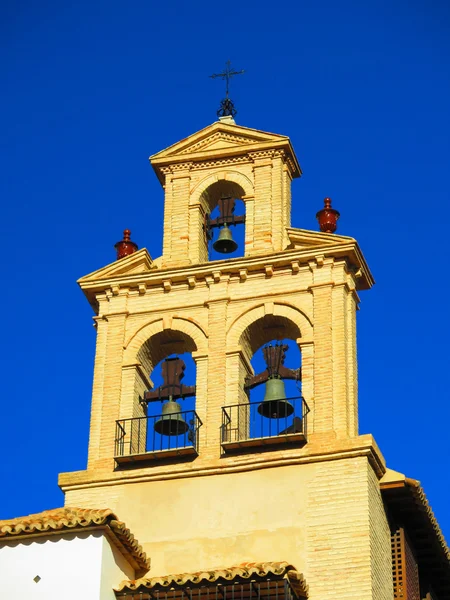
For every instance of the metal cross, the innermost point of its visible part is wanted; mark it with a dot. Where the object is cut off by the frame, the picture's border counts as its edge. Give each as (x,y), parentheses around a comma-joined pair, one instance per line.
(227,75)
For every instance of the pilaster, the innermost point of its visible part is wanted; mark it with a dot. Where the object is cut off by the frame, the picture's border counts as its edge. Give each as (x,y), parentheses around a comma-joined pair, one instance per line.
(217,308)
(352,363)
(176,220)
(201,399)
(323,348)
(307,354)
(339,358)
(112,384)
(278,224)
(97,391)
(262,225)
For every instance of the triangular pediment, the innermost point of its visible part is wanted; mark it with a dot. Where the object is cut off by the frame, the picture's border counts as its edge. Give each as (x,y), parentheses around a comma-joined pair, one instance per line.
(139,262)
(221,135)
(303,239)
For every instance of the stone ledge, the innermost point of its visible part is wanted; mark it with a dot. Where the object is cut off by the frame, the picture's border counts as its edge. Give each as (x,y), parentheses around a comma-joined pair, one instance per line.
(325,450)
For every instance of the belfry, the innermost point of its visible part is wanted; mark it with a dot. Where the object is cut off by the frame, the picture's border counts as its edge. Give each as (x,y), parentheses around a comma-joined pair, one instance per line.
(224,421)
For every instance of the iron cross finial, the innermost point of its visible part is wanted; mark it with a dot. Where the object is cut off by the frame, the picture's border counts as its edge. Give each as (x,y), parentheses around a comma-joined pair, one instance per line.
(226,105)
(227,75)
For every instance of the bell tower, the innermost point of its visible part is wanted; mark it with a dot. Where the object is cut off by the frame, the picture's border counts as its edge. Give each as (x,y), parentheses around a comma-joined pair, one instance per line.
(204,471)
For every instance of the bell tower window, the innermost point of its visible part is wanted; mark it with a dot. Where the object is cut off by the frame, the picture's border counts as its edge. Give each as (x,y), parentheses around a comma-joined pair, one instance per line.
(168,425)
(226,239)
(273,411)
(224,220)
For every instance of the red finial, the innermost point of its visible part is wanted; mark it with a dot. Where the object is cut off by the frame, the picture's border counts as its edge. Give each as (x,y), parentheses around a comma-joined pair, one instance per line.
(328,217)
(125,247)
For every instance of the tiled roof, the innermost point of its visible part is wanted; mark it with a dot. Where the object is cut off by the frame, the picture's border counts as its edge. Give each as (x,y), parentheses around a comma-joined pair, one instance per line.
(245,570)
(59,520)
(422,502)
(409,506)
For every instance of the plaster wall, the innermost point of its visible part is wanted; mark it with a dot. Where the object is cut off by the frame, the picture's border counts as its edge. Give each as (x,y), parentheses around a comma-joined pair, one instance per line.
(70,566)
(115,569)
(325,518)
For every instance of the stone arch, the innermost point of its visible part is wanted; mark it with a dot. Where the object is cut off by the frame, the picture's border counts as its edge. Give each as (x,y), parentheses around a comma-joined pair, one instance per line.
(192,334)
(146,347)
(204,197)
(239,185)
(282,319)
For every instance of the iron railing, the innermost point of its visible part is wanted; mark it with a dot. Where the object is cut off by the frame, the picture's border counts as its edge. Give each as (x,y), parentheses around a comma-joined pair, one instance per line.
(244,426)
(272,589)
(138,439)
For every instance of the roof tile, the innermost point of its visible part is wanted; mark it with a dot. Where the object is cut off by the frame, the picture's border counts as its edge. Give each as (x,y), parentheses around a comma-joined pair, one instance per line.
(245,570)
(69,518)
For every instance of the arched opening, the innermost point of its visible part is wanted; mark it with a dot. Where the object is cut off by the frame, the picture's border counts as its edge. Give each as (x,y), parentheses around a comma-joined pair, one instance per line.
(164,422)
(170,404)
(225,219)
(163,344)
(275,397)
(272,411)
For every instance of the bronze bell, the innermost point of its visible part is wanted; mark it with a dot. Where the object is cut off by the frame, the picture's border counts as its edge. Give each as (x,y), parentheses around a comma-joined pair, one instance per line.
(225,243)
(171,421)
(275,405)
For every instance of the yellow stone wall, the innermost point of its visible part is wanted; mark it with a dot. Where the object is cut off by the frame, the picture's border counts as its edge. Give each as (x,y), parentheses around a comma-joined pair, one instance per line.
(315,306)
(191,193)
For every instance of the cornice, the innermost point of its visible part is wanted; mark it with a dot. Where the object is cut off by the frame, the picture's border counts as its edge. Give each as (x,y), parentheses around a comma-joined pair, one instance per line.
(294,260)
(249,152)
(230,265)
(361,446)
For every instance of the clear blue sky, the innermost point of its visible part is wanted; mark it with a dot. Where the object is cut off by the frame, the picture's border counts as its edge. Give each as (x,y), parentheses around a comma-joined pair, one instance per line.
(91,89)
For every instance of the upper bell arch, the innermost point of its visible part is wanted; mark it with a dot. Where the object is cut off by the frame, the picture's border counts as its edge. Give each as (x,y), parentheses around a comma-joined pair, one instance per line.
(205,198)
(233,183)
(260,164)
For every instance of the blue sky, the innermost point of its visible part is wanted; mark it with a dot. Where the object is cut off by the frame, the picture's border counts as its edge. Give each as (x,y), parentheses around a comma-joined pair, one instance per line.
(91,89)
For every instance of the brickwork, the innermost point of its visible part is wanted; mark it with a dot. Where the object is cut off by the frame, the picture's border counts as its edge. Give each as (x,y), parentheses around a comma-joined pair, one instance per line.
(380,551)
(260,171)
(347,534)
(217,317)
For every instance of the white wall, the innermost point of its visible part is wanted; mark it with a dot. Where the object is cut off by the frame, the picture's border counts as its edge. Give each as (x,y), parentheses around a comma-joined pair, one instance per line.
(115,569)
(71,566)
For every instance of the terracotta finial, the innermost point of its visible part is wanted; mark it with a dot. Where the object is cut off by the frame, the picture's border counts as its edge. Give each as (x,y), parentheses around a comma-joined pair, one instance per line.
(125,247)
(328,217)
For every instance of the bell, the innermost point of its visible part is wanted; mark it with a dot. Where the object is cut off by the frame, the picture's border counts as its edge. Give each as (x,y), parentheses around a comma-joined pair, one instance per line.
(275,405)
(225,243)
(171,421)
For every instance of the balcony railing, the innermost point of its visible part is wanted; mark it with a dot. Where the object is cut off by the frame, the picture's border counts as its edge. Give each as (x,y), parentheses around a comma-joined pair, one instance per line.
(243,426)
(139,440)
